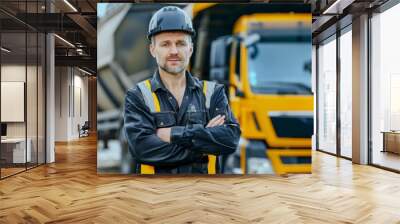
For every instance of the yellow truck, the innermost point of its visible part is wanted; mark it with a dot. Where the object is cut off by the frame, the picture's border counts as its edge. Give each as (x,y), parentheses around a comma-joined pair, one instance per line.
(265,62)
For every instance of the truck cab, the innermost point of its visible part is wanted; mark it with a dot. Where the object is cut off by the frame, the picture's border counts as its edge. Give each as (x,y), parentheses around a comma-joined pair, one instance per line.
(266,66)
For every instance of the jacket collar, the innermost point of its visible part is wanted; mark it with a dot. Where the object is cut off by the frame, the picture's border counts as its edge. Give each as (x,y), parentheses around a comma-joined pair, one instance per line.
(156,82)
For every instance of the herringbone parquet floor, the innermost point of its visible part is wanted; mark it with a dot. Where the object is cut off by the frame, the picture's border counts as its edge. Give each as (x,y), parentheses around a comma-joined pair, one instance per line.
(70,191)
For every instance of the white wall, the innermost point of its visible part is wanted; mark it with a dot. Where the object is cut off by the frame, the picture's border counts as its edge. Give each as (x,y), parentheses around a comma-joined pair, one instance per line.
(71,93)
(61,103)
(13,73)
(12,101)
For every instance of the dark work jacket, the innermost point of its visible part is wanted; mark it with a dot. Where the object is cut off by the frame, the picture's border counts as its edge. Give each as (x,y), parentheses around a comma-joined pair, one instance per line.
(190,139)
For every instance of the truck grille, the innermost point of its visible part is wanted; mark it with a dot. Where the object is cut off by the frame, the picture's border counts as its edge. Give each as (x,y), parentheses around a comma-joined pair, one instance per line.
(292,124)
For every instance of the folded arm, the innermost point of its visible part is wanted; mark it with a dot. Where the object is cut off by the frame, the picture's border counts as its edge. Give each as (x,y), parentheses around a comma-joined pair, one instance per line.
(144,144)
(212,139)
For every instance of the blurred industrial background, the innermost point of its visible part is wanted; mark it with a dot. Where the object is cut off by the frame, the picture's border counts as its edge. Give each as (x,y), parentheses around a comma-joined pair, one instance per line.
(261,52)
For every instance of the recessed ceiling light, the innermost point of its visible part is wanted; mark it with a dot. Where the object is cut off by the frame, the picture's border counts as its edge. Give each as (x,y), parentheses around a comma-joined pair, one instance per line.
(337,7)
(65,41)
(84,71)
(70,5)
(5,50)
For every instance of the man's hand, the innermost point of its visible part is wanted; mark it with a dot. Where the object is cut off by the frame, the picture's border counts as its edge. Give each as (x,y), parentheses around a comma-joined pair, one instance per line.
(164,134)
(216,121)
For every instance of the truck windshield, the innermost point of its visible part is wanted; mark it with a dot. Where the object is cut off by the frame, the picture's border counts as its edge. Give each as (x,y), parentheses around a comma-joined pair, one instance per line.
(280,66)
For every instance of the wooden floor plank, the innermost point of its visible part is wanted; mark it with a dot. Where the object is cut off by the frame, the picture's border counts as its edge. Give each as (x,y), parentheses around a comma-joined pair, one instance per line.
(70,191)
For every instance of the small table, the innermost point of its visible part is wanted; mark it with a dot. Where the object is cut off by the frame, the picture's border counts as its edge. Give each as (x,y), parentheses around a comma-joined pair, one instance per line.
(391,141)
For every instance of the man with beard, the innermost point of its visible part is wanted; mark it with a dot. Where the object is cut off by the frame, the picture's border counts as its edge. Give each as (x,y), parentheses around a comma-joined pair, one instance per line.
(175,123)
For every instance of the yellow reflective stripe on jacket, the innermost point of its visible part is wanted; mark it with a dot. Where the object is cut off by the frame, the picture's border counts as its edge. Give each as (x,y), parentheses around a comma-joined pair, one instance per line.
(155,98)
(148,169)
(212,163)
(212,160)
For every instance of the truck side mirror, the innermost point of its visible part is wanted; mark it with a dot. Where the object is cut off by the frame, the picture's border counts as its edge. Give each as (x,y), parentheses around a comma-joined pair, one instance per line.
(219,59)
(239,93)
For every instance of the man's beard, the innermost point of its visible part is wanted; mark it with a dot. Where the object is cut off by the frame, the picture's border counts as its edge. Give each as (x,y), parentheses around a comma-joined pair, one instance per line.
(173,71)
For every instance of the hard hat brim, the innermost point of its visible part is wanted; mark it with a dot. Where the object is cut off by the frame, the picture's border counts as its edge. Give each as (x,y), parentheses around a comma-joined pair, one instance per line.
(191,33)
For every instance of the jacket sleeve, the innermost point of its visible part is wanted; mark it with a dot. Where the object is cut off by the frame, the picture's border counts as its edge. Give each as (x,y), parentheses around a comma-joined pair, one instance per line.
(140,130)
(217,140)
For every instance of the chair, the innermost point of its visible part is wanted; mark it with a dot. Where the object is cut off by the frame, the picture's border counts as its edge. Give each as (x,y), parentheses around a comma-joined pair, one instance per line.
(84,130)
